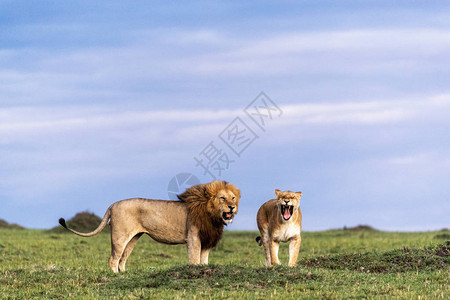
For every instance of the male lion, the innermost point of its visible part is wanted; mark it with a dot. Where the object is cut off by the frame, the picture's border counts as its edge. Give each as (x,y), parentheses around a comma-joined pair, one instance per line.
(280,220)
(196,220)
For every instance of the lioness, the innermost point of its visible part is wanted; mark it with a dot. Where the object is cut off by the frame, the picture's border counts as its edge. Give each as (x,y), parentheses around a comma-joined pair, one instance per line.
(196,220)
(280,220)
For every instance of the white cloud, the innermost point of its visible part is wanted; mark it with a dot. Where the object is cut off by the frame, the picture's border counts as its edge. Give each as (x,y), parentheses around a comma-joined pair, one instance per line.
(360,113)
(19,124)
(351,51)
(26,124)
(174,53)
(411,160)
(370,112)
(427,163)
(170,64)
(384,42)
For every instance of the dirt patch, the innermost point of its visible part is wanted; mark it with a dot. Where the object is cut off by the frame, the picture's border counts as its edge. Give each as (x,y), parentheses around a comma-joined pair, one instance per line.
(443,250)
(162,255)
(442,236)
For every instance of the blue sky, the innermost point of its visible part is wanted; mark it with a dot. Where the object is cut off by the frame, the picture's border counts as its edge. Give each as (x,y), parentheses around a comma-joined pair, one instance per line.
(110,100)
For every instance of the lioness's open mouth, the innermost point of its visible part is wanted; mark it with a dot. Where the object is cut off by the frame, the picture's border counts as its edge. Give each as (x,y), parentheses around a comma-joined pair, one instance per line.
(287,211)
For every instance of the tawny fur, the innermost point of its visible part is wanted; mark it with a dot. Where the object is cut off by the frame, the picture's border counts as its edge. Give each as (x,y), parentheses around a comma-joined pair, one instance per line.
(275,229)
(196,220)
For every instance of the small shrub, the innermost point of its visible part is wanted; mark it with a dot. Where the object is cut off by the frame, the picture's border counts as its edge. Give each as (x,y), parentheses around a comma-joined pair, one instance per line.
(83,222)
(4,224)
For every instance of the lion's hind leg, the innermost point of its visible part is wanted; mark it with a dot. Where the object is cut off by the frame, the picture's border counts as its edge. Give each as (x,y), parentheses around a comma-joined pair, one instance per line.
(118,245)
(128,249)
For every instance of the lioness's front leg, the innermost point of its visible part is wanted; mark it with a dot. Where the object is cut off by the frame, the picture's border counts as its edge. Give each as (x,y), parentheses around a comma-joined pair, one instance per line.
(274,246)
(294,248)
(194,245)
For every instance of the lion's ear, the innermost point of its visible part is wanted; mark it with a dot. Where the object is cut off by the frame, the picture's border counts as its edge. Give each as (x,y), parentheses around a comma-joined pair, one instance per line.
(235,191)
(238,193)
(277,192)
(299,194)
(212,188)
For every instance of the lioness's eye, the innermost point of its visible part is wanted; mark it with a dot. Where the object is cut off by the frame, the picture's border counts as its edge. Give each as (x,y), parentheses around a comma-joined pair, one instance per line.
(223,198)
(233,198)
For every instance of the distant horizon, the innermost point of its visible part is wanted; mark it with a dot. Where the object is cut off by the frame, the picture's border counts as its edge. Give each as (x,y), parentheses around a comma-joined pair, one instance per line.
(256,229)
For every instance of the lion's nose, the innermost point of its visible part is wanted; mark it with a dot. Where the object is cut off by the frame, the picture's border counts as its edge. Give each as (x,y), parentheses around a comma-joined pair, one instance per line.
(286,201)
(231,207)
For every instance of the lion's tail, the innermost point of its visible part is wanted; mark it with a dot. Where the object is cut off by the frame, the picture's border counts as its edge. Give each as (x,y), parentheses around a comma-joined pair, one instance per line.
(96,231)
(259,240)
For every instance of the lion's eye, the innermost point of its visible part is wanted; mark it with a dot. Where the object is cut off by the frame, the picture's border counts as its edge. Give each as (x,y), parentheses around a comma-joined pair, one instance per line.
(233,198)
(223,198)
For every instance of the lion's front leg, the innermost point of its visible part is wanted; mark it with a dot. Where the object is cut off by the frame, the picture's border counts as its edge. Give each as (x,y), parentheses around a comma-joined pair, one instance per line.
(204,256)
(194,246)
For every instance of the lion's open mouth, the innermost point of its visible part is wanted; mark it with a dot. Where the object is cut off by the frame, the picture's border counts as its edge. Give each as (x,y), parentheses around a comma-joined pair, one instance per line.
(227,217)
(287,211)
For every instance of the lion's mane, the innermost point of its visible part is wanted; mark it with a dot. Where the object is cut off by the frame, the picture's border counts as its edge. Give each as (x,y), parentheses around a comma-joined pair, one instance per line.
(202,211)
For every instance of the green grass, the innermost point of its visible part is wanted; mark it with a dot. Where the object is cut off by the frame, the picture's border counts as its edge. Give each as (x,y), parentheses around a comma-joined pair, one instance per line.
(332,264)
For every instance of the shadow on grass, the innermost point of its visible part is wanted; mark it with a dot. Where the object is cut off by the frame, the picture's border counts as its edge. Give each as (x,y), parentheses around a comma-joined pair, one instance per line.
(215,276)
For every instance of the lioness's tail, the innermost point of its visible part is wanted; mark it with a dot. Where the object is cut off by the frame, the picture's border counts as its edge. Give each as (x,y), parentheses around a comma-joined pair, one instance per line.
(96,231)
(259,240)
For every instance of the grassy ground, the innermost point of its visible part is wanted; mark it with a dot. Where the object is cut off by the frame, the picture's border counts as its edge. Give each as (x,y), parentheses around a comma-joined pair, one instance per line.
(332,264)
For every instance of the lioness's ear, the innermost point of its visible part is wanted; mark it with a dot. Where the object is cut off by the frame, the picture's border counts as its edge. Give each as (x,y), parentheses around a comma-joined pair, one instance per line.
(277,192)
(299,194)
